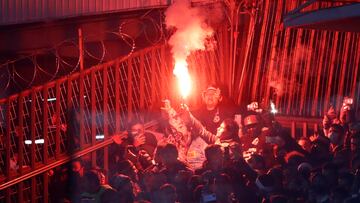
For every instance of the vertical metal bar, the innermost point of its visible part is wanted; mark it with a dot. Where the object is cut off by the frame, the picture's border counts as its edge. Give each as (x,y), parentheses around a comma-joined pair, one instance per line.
(142,81)
(8,147)
(45,123)
(33,128)
(221,51)
(332,66)
(287,71)
(153,74)
(70,107)
(357,60)
(260,51)
(343,70)
(20,144)
(227,54)
(233,35)
(212,71)
(293,129)
(81,49)
(21,133)
(93,116)
(162,72)
(305,128)
(269,38)
(349,70)
(325,71)
(316,127)
(106,118)
(81,88)
(117,97)
(69,94)
(301,73)
(308,64)
(294,68)
(273,53)
(323,40)
(57,113)
(129,88)
(168,64)
(247,56)
(82,113)
(283,58)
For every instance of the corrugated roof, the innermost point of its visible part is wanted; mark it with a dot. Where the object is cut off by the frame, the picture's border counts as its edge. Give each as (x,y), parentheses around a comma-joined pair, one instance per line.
(25,11)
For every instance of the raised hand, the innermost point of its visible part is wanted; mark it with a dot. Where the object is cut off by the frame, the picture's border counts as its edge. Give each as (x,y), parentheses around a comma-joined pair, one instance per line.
(119,138)
(139,140)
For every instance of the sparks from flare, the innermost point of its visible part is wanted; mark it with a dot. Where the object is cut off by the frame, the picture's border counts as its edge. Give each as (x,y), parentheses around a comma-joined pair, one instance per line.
(273,109)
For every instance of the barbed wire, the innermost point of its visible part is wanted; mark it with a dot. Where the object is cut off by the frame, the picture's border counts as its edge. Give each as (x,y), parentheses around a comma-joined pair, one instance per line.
(15,76)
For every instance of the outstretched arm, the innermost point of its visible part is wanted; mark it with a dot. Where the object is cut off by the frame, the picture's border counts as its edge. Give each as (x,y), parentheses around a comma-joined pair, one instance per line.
(200,130)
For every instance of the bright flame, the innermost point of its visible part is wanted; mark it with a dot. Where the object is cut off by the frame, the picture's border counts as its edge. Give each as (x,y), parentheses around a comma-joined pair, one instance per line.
(191,34)
(273,109)
(184,81)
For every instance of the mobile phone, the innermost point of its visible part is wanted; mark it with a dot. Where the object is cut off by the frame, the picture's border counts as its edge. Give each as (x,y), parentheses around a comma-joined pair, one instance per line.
(348,101)
(208,197)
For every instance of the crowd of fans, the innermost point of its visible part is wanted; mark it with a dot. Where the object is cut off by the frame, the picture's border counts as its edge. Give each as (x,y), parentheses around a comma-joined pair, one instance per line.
(221,153)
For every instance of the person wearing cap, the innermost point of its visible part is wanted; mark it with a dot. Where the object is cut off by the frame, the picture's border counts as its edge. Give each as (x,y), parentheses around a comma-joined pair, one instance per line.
(251,140)
(216,108)
(261,139)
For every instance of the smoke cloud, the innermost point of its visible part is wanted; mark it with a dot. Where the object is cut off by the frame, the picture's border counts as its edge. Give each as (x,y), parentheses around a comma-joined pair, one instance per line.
(191,29)
(295,58)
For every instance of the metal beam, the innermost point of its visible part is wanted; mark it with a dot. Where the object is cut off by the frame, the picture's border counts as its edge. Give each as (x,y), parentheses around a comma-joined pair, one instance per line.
(343,18)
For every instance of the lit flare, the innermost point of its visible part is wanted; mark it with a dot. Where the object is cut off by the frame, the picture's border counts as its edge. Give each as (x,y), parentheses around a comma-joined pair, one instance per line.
(183,77)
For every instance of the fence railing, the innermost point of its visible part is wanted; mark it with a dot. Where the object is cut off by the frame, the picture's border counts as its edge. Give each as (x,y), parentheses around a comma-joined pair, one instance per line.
(73,115)
(300,126)
(43,125)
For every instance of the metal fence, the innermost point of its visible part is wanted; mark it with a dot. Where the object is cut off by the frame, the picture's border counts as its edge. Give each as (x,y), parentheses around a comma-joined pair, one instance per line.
(302,70)
(92,105)
(99,100)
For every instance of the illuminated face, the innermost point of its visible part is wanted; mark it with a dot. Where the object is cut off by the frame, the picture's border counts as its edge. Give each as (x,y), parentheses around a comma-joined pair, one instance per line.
(102,179)
(178,124)
(137,129)
(220,130)
(211,98)
(305,145)
(76,166)
(253,130)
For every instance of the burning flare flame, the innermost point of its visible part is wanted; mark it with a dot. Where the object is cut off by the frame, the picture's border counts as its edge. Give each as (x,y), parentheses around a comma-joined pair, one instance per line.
(191,33)
(184,81)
